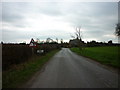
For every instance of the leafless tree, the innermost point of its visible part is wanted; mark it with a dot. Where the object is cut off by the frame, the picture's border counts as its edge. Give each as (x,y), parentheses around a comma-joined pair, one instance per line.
(61,41)
(77,33)
(78,37)
(57,40)
(117,32)
(37,40)
(48,40)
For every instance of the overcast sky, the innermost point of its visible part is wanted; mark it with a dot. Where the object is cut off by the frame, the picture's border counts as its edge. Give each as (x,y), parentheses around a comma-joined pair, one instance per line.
(22,21)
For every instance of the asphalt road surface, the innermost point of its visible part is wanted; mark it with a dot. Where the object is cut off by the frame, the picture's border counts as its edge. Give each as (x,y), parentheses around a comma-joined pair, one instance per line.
(68,70)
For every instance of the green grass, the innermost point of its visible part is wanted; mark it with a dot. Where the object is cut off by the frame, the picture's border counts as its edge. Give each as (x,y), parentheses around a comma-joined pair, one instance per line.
(107,55)
(17,76)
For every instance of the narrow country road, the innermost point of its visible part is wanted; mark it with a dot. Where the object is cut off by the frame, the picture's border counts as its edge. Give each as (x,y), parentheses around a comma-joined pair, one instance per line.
(68,70)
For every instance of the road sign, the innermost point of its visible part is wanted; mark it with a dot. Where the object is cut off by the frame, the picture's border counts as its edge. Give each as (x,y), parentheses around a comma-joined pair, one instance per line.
(32,43)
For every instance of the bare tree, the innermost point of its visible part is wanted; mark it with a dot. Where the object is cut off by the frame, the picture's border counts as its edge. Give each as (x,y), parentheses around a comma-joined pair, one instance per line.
(57,40)
(117,32)
(37,40)
(78,37)
(72,36)
(77,33)
(61,41)
(48,40)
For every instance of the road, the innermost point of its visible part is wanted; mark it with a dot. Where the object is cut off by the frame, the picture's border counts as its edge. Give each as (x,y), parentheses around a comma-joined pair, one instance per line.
(68,70)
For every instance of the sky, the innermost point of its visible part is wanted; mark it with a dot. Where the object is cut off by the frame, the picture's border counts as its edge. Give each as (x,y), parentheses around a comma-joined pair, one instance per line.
(22,21)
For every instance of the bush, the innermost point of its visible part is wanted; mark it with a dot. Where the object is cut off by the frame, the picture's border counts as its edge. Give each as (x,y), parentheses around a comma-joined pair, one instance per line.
(14,54)
(17,53)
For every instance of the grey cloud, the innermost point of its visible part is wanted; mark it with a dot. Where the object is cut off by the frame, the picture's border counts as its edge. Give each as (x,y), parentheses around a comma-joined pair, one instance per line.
(97,19)
(53,34)
(10,17)
(52,9)
(11,12)
(14,35)
(98,34)
(8,35)
(16,13)
(93,14)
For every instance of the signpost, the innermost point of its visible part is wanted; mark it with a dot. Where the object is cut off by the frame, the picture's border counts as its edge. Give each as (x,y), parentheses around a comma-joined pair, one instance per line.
(33,45)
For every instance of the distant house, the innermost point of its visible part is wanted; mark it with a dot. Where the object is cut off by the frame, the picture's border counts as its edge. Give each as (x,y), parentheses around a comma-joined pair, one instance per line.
(75,42)
(110,42)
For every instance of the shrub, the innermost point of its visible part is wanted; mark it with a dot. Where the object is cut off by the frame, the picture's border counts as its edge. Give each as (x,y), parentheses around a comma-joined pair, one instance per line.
(17,53)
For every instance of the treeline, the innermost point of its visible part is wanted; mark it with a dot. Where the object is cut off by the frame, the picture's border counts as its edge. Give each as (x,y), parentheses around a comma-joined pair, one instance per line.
(94,43)
(77,43)
(17,53)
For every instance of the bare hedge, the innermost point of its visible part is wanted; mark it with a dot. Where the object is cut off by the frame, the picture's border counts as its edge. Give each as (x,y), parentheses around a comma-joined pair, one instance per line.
(16,53)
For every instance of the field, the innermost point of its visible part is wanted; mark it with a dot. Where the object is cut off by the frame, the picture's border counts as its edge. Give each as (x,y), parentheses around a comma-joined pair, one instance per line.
(107,55)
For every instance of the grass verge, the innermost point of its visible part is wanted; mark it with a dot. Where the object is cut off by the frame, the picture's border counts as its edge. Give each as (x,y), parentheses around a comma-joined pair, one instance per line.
(107,55)
(22,72)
